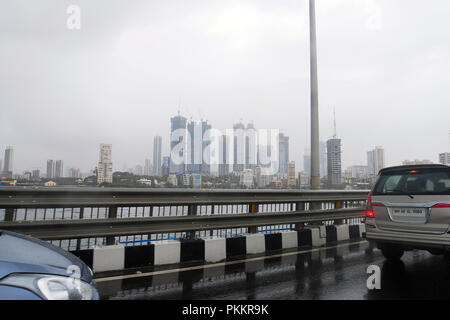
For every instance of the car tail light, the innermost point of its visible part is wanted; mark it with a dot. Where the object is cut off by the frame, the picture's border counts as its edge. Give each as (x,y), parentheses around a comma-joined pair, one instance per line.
(370,205)
(444,205)
(370,214)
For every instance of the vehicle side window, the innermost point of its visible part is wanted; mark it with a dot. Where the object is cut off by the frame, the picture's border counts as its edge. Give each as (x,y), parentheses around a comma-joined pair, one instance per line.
(391,184)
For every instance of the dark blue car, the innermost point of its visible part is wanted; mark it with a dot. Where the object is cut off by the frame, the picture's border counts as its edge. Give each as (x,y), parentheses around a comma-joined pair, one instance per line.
(31,269)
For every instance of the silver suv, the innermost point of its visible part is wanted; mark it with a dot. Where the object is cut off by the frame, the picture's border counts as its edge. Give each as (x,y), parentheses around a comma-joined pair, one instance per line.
(409,208)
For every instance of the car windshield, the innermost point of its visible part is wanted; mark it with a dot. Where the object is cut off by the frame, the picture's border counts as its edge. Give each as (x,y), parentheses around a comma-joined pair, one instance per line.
(434,181)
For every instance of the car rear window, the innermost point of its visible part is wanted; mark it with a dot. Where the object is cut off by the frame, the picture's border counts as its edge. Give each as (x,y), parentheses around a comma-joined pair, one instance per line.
(434,181)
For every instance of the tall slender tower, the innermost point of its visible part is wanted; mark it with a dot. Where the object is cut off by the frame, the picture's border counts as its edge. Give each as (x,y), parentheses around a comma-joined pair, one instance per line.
(315,162)
(9,159)
(104,173)
(157,155)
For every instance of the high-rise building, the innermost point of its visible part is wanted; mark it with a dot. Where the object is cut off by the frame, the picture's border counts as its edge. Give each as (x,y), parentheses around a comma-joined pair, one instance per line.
(303,179)
(196,180)
(283,149)
(165,168)
(250,146)
(50,169)
(375,160)
(198,141)
(148,170)
(172,179)
(239,147)
(9,159)
(323,159)
(246,178)
(223,154)
(104,169)
(157,155)
(291,178)
(444,158)
(358,172)
(59,173)
(178,143)
(334,164)
(74,173)
(307,164)
(36,174)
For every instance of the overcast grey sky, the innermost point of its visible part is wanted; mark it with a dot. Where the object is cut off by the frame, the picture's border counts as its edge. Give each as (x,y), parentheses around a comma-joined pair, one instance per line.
(384,65)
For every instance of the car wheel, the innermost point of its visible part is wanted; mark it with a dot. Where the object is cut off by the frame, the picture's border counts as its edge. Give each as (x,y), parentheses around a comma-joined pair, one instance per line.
(391,252)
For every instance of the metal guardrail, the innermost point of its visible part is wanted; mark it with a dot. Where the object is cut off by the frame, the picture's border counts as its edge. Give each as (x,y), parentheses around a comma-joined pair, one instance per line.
(295,208)
(41,197)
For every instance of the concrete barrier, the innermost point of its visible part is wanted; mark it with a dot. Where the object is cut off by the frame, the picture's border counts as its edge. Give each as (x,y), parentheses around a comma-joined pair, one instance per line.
(316,239)
(289,239)
(342,232)
(108,258)
(167,252)
(255,243)
(213,250)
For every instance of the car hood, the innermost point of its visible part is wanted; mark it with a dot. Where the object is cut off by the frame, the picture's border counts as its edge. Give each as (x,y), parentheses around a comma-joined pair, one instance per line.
(20,253)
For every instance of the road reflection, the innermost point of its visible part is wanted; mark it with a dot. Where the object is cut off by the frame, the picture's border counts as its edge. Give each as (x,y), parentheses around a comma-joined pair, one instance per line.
(331,273)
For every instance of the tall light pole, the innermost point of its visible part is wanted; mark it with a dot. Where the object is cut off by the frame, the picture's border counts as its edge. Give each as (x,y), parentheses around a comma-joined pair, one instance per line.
(315,164)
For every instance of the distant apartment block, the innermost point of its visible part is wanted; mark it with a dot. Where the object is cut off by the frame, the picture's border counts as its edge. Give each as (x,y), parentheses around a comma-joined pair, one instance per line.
(358,172)
(334,163)
(104,169)
(59,166)
(36,174)
(303,179)
(172,179)
(224,167)
(148,170)
(246,178)
(444,158)
(178,141)
(54,169)
(323,160)
(283,149)
(8,160)
(375,160)
(196,180)
(291,178)
(165,169)
(157,156)
(50,169)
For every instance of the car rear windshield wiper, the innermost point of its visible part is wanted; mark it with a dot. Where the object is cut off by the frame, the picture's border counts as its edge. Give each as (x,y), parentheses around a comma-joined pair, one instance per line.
(401,191)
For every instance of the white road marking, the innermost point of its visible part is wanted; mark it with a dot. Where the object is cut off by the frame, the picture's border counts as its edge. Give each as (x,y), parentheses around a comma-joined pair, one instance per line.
(220,264)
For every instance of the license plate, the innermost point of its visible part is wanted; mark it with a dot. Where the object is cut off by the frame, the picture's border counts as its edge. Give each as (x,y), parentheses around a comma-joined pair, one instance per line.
(409,212)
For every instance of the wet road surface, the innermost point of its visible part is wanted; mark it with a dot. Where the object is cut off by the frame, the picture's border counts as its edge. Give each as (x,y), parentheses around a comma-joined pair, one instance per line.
(337,272)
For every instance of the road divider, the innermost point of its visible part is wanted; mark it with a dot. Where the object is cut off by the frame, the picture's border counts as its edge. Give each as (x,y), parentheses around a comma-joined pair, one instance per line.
(213,250)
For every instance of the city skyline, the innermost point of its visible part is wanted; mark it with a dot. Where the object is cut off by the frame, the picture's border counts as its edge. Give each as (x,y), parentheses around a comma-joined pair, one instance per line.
(158,145)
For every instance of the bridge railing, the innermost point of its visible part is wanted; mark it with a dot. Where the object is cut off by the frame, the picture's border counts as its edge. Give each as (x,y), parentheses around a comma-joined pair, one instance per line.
(75,218)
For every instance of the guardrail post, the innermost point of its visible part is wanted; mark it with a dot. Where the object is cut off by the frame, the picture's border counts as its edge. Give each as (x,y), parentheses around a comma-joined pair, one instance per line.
(150,214)
(338,205)
(192,211)
(112,214)
(9,214)
(299,206)
(81,213)
(253,208)
(315,206)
